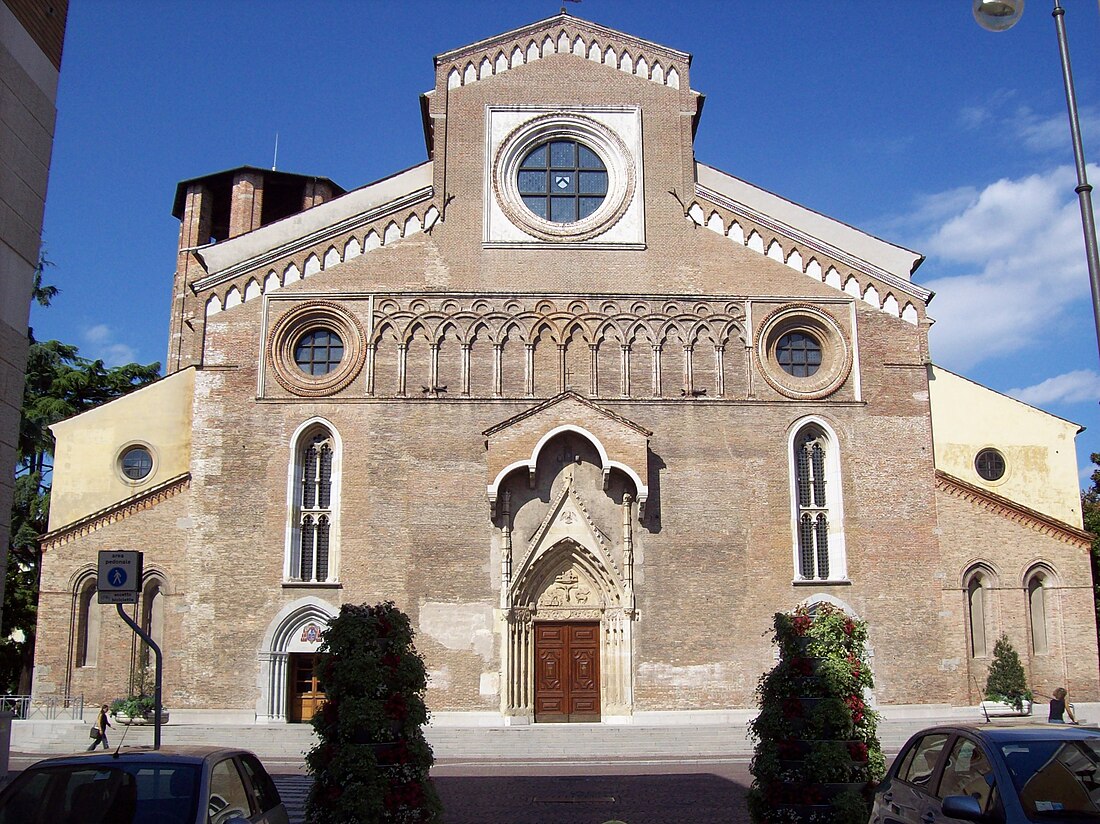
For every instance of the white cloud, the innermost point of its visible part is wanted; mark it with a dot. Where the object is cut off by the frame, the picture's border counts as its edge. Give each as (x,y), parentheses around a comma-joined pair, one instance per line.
(1079,386)
(98,333)
(1019,249)
(1020,124)
(98,343)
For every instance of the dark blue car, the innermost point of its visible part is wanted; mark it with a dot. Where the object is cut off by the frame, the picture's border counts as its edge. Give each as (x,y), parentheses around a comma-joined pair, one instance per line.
(1044,774)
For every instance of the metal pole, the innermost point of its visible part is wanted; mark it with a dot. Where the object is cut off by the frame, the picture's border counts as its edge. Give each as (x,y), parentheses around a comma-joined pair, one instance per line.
(1084,190)
(157,657)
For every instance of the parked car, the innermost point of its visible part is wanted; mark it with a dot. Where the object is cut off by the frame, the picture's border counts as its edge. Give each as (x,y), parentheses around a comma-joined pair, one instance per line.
(173,785)
(1045,774)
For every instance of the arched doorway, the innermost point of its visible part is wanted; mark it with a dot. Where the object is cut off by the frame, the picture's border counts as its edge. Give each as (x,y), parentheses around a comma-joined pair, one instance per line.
(569,514)
(290,686)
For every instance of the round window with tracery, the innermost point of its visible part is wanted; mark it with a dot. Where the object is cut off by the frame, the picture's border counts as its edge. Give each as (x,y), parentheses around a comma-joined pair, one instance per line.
(562,181)
(319,352)
(563,177)
(317,349)
(990,465)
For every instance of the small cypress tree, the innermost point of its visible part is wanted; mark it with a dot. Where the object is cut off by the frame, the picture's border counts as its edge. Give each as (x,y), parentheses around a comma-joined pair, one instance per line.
(371,761)
(1007,681)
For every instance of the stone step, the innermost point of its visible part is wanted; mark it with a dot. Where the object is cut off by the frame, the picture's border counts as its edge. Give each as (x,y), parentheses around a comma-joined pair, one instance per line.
(454,743)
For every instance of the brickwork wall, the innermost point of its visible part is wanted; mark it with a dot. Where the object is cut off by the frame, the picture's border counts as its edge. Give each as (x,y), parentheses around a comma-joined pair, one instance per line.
(1010,548)
(714,553)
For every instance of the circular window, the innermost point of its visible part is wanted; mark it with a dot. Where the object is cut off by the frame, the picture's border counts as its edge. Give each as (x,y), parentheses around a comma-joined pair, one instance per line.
(136,463)
(319,352)
(562,181)
(802,352)
(990,464)
(317,349)
(563,177)
(798,354)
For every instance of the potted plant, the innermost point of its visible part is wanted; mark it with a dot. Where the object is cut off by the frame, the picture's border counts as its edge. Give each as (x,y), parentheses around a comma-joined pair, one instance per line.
(139,706)
(817,753)
(371,760)
(1006,690)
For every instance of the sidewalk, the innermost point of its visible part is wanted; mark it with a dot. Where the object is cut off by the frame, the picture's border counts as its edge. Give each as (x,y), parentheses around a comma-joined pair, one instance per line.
(537,743)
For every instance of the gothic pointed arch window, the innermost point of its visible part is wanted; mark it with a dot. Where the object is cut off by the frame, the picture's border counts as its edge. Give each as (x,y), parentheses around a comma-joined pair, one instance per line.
(86,623)
(1037,608)
(152,610)
(816,510)
(977,612)
(314,496)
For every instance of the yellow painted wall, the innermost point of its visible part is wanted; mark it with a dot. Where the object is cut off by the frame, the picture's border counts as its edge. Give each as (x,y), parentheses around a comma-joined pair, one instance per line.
(87,476)
(1039,448)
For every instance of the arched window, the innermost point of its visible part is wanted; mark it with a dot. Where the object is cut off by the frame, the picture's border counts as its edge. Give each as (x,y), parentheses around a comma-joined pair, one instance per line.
(1037,612)
(976,612)
(87,623)
(314,495)
(818,519)
(152,610)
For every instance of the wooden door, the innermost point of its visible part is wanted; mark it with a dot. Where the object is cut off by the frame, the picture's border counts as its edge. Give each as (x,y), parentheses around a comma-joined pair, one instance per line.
(306,693)
(567,672)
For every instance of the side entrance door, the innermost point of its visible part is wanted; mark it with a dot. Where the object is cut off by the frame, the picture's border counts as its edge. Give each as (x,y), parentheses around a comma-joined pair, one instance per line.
(567,671)
(306,693)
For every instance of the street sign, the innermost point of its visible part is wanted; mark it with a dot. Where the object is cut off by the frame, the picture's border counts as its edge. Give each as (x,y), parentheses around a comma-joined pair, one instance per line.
(119,580)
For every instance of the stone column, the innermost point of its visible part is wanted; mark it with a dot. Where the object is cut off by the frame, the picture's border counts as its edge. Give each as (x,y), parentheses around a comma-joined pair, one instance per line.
(498,369)
(402,362)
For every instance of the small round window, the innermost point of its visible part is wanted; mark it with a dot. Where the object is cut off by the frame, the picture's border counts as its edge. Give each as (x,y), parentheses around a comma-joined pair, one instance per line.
(562,181)
(137,463)
(319,352)
(798,354)
(990,464)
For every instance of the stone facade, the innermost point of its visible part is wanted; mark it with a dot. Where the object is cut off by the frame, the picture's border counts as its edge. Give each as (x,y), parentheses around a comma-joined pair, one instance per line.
(536,424)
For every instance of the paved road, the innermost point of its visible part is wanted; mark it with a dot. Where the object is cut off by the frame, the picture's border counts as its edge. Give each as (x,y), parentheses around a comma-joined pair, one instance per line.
(634,792)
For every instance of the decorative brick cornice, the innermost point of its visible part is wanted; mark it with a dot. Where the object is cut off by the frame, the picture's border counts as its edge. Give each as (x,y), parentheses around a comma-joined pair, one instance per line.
(116,512)
(1013,511)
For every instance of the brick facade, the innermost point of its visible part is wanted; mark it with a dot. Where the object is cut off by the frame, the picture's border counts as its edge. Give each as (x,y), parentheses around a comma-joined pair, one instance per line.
(619,403)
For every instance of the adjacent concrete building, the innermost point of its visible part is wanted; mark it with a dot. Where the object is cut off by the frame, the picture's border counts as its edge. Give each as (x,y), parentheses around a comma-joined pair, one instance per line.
(31,36)
(588,409)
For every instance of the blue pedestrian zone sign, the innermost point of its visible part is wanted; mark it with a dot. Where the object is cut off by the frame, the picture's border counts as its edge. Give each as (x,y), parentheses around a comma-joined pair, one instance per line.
(119,580)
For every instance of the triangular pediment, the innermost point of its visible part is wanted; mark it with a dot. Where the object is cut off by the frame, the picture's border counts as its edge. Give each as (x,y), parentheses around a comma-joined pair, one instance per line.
(514,444)
(568,557)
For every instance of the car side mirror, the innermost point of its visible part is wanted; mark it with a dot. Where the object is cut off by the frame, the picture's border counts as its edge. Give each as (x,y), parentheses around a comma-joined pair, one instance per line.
(964,807)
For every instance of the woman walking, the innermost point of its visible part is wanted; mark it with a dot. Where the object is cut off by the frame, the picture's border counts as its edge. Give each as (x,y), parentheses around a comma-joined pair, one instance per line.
(99,731)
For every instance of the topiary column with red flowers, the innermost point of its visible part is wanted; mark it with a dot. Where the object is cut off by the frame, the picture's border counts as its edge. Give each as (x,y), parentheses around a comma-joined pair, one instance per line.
(371,761)
(817,753)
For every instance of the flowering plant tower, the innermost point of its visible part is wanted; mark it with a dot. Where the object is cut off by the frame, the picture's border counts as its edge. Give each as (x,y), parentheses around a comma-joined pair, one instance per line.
(371,760)
(817,755)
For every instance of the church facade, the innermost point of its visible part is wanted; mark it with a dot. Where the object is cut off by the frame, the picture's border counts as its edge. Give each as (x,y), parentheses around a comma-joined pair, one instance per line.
(586,408)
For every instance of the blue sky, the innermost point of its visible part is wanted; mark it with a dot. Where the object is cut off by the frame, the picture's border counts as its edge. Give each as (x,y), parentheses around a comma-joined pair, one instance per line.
(906,120)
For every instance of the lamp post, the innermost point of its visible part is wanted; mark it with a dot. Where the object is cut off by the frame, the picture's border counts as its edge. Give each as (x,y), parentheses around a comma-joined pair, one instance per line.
(1000,15)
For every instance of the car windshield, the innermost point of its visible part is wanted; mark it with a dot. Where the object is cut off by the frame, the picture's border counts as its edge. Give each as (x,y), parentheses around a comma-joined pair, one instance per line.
(1056,779)
(123,792)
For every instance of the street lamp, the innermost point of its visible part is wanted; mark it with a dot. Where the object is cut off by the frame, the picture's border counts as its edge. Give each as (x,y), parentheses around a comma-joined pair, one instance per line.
(999,15)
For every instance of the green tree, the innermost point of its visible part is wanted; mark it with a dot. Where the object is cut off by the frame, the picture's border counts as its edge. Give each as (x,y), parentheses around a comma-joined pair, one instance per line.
(1090,511)
(59,384)
(1007,681)
(371,760)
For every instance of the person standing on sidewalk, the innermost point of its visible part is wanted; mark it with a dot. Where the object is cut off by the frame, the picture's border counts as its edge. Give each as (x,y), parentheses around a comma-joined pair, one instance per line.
(99,731)
(1059,708)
